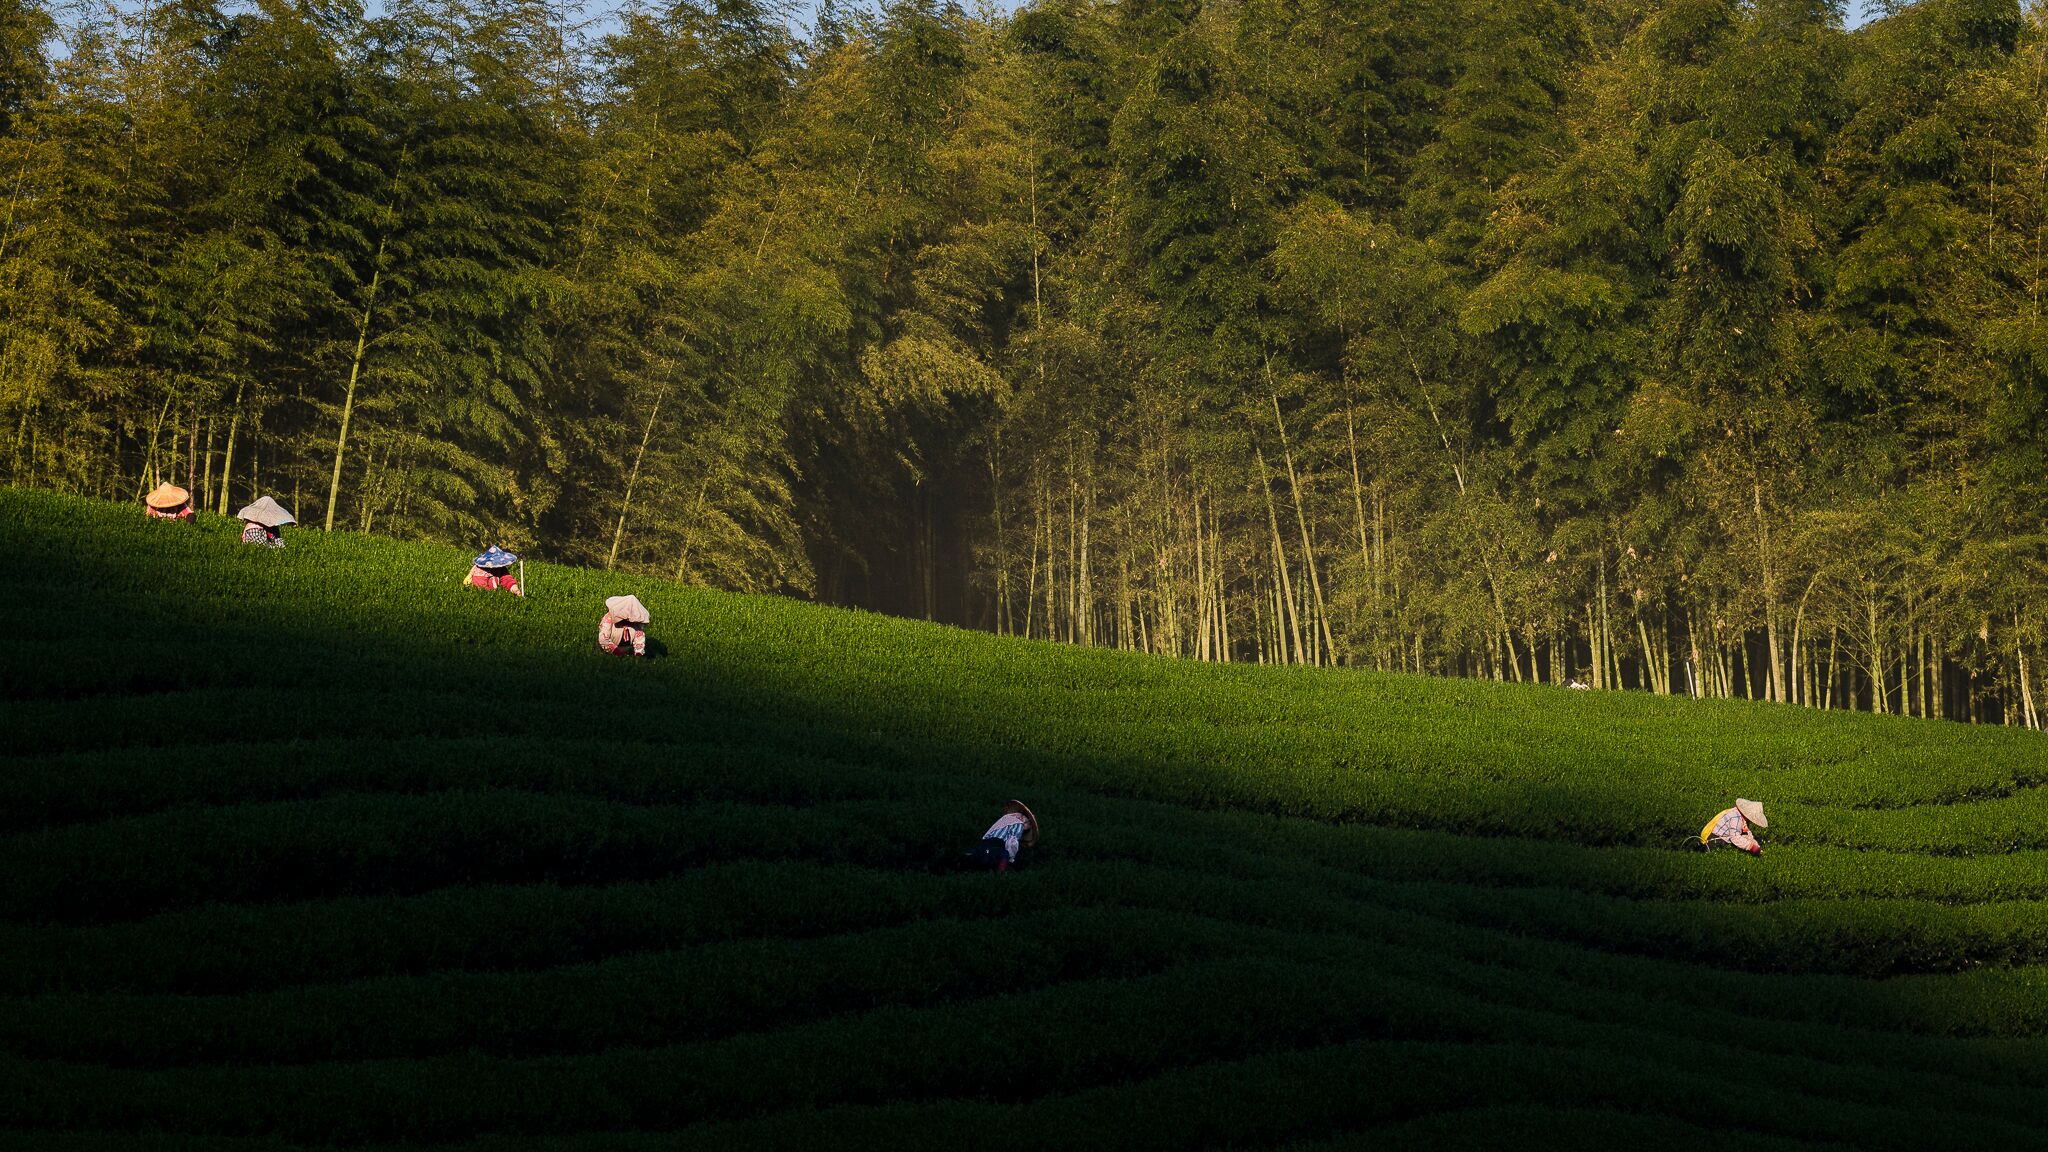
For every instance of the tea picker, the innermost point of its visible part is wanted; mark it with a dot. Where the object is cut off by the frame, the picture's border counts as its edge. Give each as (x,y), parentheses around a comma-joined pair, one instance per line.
(168,502)
(1014,831)
(1731,826)
(492,571)
(261,522)
(623,629)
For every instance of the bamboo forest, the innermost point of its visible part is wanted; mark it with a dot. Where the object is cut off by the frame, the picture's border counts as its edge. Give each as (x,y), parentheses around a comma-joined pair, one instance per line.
(1687,346)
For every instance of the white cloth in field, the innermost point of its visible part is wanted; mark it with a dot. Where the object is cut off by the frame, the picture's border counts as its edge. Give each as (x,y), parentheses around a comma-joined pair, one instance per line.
(1010,830)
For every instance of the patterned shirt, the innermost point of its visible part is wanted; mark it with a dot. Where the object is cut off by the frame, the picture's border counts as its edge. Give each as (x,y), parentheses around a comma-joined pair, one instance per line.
(485,579)
(1728,827)
(184,514)
(254,533)
(1010,830)
(613,632)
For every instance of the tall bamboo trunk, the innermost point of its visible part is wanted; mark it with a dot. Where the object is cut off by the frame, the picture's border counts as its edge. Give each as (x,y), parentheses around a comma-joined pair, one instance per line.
(1285,583)
(1326,643)
(1085,596)
(355,373)
(1650,678)
(2026,686)
(611,559)
(1775,664)
(995,483)
(202,496)
(1827,699)
(227,458)
(150,476)
(1031,580)
(1358,499)
(1222,588)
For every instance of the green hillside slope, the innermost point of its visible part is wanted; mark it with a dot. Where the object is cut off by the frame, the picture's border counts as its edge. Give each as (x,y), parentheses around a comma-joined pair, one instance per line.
(320,848)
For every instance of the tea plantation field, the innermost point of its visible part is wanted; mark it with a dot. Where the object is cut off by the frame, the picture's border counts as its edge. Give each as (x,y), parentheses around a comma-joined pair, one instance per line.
(320,849)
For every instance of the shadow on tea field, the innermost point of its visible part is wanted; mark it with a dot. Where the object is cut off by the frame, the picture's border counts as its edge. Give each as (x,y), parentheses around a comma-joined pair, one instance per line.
(318,848)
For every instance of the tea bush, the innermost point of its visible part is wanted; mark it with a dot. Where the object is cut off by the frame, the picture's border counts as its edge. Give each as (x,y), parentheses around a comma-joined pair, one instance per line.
(319,848)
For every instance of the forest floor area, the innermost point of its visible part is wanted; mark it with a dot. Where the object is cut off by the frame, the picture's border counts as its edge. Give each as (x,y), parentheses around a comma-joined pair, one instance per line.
(321,848)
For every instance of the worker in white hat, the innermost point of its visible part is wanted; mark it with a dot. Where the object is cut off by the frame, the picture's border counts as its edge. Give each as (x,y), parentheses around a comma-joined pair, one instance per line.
(168,502)
(623,630)
(1014,831)
(261,522)
(1731,826)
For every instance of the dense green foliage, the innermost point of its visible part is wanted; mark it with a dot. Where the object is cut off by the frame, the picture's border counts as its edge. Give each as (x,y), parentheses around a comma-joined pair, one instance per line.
(1687,345)
(319,847)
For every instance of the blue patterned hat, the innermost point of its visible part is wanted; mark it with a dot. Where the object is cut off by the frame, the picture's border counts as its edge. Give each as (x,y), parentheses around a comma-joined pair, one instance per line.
(496,557)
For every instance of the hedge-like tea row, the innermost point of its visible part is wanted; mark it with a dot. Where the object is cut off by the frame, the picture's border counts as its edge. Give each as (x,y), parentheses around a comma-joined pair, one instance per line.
(367,845)
(641,1000)
(82,788)
(1086,1034)
(232,949)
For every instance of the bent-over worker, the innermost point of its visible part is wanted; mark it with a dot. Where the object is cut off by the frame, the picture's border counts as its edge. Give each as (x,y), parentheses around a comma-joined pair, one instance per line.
(1014,831)
(168,502)
(492,571)
(623,630)
(261,522)
(1731,827)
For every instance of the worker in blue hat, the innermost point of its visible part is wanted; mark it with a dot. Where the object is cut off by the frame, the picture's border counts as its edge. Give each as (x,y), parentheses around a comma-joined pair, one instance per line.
(492,571)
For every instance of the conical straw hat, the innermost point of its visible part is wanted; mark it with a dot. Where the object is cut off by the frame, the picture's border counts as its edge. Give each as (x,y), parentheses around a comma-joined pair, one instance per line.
(167,496)
(1752,812)
(1030,836)
(495,557)
(627,608)
(266,512)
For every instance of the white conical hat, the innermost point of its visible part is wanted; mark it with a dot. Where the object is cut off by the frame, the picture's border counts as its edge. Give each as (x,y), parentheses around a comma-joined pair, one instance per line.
(266,512)
(167,496)
(627,608)
(1752,812)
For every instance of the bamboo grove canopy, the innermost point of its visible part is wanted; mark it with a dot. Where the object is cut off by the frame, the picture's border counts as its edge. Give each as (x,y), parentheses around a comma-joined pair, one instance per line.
(1693,348)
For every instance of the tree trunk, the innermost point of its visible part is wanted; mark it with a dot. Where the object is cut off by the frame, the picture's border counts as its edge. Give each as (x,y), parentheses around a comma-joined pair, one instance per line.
(150,478)
(355,372)
(1827,700)
(690,529)
(995,483)
(611,559)
(1031,581)
(2031,718)
(1775,665)
(227,459)
(1308,552)
(1222,588)
(1285,582)
(1085,595)
(1650,678)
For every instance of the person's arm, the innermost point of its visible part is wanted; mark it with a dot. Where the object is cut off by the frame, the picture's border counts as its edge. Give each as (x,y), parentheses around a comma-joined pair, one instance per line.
(640,641)
(1744,839)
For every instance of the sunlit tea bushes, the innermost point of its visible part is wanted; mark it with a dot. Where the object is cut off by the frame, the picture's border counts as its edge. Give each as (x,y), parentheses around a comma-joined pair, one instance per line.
(317,848)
